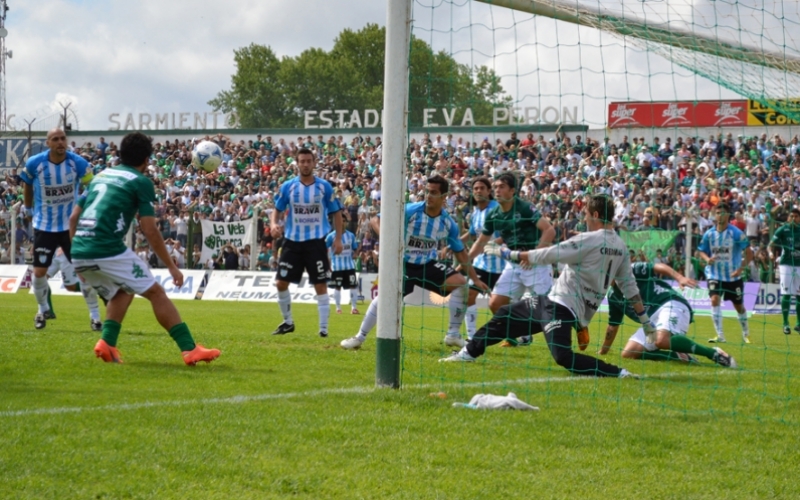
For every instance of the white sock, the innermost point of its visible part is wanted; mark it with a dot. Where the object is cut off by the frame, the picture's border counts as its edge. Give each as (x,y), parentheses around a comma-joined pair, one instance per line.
(40,292)
(337,298)
(285,303)
(472,320)
(745,326)
(90,296)
(353,298)
(369,319)
(457,306)
(716,318)
(324,309)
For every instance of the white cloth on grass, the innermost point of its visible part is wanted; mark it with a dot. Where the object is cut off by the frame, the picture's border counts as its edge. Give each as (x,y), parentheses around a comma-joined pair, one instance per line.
(494,402)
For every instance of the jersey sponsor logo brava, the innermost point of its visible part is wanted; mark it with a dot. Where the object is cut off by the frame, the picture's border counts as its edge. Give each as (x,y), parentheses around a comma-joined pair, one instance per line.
(421,244)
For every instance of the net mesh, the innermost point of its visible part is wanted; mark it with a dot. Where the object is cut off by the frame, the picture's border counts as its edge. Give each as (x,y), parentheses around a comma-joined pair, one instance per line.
(551,72)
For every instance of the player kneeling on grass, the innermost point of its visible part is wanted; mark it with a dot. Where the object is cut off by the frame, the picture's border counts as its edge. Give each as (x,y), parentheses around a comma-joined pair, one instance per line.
(670,314)
(592,260)
(97,225)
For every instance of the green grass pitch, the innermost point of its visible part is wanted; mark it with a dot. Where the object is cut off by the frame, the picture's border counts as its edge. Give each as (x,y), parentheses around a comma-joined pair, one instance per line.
(296,416)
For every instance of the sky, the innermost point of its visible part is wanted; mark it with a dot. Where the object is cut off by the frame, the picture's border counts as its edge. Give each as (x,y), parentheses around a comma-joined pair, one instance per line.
(172,56)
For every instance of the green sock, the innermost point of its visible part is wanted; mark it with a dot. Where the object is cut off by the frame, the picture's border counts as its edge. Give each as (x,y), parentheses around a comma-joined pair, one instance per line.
(659,355)
(786,304)
(111,332)
(50,300)
(679,343)
(797,309)
(182,336)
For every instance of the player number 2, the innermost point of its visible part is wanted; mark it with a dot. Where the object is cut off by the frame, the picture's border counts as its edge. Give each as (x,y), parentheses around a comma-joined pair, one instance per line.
(320,267)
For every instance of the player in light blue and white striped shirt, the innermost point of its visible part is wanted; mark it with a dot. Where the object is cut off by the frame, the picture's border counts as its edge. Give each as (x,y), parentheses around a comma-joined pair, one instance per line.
(488,267)
(51,183)
(721,248)
(426,224)
(309,200)
(344,270)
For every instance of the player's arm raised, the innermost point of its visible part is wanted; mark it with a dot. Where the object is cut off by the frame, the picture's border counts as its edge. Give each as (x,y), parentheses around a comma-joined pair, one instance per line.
(150,230)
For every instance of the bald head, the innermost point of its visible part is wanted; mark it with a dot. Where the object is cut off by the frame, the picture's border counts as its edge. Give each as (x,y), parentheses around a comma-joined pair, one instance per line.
(57,143)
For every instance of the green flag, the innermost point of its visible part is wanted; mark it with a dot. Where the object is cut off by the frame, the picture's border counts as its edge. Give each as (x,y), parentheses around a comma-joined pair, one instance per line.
(649,241)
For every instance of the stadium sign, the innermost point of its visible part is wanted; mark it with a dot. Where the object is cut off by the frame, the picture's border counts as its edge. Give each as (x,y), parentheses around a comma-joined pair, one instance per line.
(678,114)
(759,114)
(254,286)
(13,151)
(192,280)
(219,234)
(441,117)
(173,121)
(11,278)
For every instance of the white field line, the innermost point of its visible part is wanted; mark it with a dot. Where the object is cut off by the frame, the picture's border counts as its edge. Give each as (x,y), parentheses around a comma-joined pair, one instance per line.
(319,392)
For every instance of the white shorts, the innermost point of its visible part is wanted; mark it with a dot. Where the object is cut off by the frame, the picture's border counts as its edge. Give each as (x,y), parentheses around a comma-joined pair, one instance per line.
(790,279)
(125,271)
(673,317)
(60,263)
(515,279)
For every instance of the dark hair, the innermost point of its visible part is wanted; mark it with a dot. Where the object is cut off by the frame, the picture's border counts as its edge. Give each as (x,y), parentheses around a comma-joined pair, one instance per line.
(486,182)
(509,180)
(304,151)
(724,207)
(795,211)
(444,186)
(135,149)
(603,205)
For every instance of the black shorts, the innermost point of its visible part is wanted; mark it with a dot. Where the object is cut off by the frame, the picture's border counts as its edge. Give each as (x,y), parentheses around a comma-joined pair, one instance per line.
(344,279)
(45,245)
(311,256)
(430,276)
(489,278)
(729,290)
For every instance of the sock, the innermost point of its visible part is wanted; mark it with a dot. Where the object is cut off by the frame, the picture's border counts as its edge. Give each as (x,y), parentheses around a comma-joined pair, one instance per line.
(745,326)
(182,336)
(40,289)
(457,308)
(337,298)
(285,304)
(797,309)
(369,319)
(716,318)
(111,332)
(90,296)
(472,320)
(324,309)
(353,298)
(659,355)
(50,299)
(679,343)
(786,304)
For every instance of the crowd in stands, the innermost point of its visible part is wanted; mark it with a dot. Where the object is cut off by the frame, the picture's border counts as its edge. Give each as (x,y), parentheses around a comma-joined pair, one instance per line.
(654,184)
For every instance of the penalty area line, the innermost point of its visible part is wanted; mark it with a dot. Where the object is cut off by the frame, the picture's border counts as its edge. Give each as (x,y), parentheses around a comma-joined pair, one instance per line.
(241,399)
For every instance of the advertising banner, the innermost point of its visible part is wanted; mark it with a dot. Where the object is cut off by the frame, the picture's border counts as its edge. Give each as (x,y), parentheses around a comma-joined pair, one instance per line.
(218,234)
(759,114)
(11,278)
(649,241)
(254,286)
(677,114)
(769,300)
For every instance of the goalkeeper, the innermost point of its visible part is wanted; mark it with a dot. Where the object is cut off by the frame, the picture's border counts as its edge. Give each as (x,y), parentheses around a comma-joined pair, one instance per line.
(592,260)
(671,315)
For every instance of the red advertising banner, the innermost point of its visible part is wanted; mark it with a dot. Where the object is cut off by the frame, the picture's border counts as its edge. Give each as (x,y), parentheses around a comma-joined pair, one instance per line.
(677,114)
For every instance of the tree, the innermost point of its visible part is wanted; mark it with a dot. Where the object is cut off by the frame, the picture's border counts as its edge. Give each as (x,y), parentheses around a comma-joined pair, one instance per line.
(267,92)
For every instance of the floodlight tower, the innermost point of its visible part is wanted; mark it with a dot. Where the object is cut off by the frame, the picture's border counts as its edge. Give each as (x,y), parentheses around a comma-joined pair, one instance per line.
(3,55)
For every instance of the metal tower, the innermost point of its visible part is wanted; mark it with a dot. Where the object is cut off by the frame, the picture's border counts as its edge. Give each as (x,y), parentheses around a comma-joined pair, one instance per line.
(3,55)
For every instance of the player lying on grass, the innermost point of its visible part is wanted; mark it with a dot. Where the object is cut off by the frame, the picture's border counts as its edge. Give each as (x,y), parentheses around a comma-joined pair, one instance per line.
(99,222)
(592,260)
(670,314)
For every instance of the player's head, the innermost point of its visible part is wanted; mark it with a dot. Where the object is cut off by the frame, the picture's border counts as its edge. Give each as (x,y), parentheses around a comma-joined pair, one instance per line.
(481,189)
(794,216)
(135,149)
(599,211)
(435,191)
(723,213)
(505,186)
(305,162)
(57,141)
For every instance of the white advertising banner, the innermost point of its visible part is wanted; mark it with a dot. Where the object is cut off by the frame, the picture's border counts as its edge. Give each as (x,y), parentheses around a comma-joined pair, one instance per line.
(218,234)
(191,284)
(254,286)
(768,300)
(11,278)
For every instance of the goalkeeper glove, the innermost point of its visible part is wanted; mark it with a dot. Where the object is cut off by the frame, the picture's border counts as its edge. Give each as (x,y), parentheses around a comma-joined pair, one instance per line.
(649,329)
(501,251)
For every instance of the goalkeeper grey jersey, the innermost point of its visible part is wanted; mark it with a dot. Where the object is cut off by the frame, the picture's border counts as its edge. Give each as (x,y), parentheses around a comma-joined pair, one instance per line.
(593,260)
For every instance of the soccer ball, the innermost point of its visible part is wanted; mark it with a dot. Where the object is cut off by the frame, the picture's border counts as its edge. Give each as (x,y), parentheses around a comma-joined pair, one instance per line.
(207,155)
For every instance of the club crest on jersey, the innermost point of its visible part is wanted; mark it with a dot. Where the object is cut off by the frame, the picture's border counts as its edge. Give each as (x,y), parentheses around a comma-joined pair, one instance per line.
(43,258)
(70,177)
(284,272)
